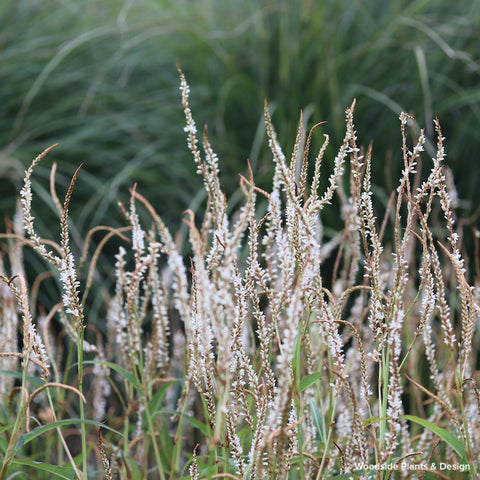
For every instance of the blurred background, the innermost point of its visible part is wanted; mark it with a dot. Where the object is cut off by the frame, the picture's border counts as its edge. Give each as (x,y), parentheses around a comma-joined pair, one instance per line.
(99,77)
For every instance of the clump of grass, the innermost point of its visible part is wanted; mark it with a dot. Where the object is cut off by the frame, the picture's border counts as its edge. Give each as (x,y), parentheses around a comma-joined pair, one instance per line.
(73,69)
(280,350)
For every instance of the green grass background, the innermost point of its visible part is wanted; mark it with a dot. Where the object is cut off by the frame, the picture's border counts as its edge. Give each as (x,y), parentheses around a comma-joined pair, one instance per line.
(99,77)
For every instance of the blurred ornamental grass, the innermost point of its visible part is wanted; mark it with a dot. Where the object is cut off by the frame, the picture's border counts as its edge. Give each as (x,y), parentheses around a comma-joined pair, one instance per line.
(279,350)
(98,77)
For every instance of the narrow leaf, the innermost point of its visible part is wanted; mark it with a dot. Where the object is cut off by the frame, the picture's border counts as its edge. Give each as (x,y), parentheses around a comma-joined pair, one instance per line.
(205,429)
(445,435)
(129,376)
(309,380)
(28,437)
(58,471)
(317,419)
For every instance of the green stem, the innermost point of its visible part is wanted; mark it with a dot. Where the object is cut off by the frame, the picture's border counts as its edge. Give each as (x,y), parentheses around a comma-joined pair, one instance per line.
(383,395)
(83,428)
(178,441)
(151,432)
(10,453)
(62,440)
(328,433)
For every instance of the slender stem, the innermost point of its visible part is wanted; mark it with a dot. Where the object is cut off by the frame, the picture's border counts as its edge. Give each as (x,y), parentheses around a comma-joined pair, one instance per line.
(151,431)
(10,453)
(62,439)
(328,433)
(177,442)
(383,395)
(83,428)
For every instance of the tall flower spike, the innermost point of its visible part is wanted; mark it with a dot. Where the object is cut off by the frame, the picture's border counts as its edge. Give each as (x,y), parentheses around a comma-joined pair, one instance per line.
(190,128)
(67,269)
(339,160)
(26,198)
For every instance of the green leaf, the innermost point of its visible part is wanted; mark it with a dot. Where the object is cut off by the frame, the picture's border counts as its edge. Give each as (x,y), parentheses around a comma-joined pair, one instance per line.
(205,429)
(136,474)
(317,419)
(371,420)
(157,399)
(28,437)
(58,471)
(36,382)
(129,376)
(208,471)
(445,435)
(4,428)
(3,445)
(309,380)
(296,360)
